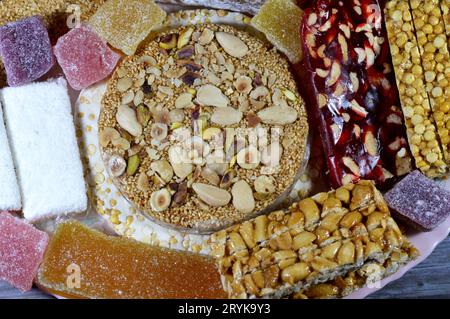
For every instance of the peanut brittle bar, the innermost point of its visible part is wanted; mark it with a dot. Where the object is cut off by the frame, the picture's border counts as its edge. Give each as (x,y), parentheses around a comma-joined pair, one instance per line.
(368,275)
(315,241)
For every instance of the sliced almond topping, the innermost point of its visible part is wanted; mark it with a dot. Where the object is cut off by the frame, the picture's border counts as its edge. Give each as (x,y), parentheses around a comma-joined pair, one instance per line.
(322,100)
(322,73)
(371,144)
(334,74)
(344,47)
(350,163)
(358,108)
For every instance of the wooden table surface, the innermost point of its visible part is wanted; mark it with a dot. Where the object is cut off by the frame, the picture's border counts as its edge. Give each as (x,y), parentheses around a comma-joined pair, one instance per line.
(430,279)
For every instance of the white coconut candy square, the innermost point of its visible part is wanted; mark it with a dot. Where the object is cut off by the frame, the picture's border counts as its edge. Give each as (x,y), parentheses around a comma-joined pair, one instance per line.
(41,129)
(9,193)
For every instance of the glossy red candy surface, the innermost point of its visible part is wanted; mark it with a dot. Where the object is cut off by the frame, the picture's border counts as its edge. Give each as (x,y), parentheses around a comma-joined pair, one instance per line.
(356,103)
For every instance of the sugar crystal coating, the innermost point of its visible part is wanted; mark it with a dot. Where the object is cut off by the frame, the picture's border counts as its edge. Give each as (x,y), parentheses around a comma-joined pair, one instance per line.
(280,21)
(420,200)
(84,57)
(21,250)
(117,267)
(126,23)
(25,50)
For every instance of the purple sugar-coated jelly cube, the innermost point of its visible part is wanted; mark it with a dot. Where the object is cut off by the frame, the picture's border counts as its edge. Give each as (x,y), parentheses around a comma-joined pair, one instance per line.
(22,248)
(25,50)
(419,201)
(84,57)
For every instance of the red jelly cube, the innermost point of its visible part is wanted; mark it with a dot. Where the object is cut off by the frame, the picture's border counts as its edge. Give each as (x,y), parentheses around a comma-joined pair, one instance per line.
(84,57)
(348,67)
(22,248)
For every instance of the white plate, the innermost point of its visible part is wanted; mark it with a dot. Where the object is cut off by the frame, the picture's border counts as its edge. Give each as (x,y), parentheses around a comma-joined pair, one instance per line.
(121,217)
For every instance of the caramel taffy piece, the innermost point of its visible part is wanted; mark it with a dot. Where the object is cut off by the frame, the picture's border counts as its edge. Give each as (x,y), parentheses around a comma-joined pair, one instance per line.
(84,263)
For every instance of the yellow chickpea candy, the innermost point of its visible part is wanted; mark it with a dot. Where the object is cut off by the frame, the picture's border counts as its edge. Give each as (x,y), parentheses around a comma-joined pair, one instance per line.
(409,69)
(429,22)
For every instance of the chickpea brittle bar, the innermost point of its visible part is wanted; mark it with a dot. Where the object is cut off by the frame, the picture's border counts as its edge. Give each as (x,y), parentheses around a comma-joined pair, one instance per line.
(316,240)
(410,75)
(430,30)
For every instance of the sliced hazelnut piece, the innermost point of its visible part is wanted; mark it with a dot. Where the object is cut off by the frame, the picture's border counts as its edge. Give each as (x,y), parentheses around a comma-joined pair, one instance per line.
(243,84)
(248,158)
(143,182)
(260,91)
(159,131)
(107,135)
(264,184)
(121,143)
(116,165)
(160,200)
(163,169)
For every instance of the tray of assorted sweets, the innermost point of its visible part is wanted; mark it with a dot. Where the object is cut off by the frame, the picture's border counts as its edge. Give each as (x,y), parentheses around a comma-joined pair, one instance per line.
(222,149)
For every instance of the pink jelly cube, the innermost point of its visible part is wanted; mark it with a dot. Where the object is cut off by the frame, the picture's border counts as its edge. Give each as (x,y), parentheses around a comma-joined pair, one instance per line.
(84,57)
(25,50)
(22,248)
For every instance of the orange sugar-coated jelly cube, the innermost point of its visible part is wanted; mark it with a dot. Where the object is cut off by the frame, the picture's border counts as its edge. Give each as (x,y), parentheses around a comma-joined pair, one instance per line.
(83,263)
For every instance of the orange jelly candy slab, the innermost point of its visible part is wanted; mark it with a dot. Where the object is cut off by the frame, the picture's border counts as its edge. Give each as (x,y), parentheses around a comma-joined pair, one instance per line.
(84,263)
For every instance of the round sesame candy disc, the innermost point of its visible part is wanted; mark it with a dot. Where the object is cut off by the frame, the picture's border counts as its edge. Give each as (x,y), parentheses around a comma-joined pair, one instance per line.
(196,128)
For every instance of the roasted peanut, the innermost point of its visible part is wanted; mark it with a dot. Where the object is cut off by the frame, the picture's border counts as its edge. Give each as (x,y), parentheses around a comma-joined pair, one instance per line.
(295,273)
(310,210)
(302,240)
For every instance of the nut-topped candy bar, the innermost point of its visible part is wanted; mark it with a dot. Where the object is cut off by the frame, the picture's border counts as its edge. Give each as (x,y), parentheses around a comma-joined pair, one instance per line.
(410,75)
(318,239)
(430,31)
(347,61)
(368,275)
(203,127)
